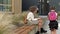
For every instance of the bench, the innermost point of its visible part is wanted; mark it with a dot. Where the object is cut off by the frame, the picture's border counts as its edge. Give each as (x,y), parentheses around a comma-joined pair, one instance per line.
(24,29)
(28,30)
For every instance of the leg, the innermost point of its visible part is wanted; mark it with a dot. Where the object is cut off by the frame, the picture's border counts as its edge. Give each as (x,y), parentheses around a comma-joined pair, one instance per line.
(53,31)
(40,26)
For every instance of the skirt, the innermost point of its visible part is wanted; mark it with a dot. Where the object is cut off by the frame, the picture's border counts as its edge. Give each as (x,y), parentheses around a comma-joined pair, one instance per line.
(32,22)
(53,25)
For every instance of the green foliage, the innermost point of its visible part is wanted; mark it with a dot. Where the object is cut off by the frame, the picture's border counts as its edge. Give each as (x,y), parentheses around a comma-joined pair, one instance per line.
(19,19)
(59,14)
(1,29)
(15,20)
(1,32)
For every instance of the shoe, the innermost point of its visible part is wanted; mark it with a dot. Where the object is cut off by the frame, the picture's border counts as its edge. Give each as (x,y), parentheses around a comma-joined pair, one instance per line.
(37,32)
(43,31)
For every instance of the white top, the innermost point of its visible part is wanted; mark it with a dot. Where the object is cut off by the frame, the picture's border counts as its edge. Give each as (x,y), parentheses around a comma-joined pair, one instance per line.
(30,17)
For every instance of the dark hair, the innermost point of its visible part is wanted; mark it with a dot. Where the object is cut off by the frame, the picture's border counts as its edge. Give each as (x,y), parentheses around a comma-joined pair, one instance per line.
(52,8)
(32,8)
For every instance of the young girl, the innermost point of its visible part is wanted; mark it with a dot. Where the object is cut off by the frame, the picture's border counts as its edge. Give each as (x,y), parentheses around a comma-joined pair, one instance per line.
(32,20)
(53,16)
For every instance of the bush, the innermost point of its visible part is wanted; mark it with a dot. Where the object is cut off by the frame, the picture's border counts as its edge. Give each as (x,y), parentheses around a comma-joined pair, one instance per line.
(17,20)
(1,32)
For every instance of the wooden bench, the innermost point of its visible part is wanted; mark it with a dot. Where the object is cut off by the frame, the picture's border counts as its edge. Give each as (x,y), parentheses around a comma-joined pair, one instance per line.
(28,30)
(21,30)
(17,29)
(24,29)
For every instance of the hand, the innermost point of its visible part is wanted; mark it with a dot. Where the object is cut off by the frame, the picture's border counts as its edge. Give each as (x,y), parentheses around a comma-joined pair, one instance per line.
(39,18)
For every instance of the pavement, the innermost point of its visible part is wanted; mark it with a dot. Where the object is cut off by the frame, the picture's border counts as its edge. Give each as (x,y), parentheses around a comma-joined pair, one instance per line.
(46,27)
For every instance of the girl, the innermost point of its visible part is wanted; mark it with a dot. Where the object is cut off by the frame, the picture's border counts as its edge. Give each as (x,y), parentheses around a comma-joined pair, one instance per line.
(52,16)
(32,20)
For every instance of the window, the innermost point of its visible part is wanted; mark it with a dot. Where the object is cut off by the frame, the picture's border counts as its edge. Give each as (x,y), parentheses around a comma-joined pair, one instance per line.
(5,5)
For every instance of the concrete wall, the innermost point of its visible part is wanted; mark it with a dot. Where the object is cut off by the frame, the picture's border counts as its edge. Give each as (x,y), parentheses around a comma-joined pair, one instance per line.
(16,6)
(13,6)
(20,5)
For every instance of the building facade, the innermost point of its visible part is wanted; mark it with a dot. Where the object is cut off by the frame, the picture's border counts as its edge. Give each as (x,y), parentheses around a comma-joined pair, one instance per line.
(44,7)
(16,6)
(10,6)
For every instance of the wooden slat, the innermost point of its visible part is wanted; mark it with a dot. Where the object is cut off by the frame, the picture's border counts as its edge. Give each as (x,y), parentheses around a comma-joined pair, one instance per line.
(24,29)
(28,30)
(19,28)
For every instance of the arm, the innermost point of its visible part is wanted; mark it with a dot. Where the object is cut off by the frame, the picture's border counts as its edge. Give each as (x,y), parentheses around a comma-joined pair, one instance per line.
(57,16)
(48,16)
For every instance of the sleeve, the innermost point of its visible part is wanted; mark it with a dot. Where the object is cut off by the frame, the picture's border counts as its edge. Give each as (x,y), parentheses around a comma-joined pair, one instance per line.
(48,15)
(56,13)
(30,16)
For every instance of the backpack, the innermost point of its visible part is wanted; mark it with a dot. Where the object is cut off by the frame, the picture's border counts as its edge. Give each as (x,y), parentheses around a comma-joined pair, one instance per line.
(52,15)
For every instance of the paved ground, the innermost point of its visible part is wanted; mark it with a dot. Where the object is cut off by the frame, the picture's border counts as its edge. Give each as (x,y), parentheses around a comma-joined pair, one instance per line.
(47,27)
